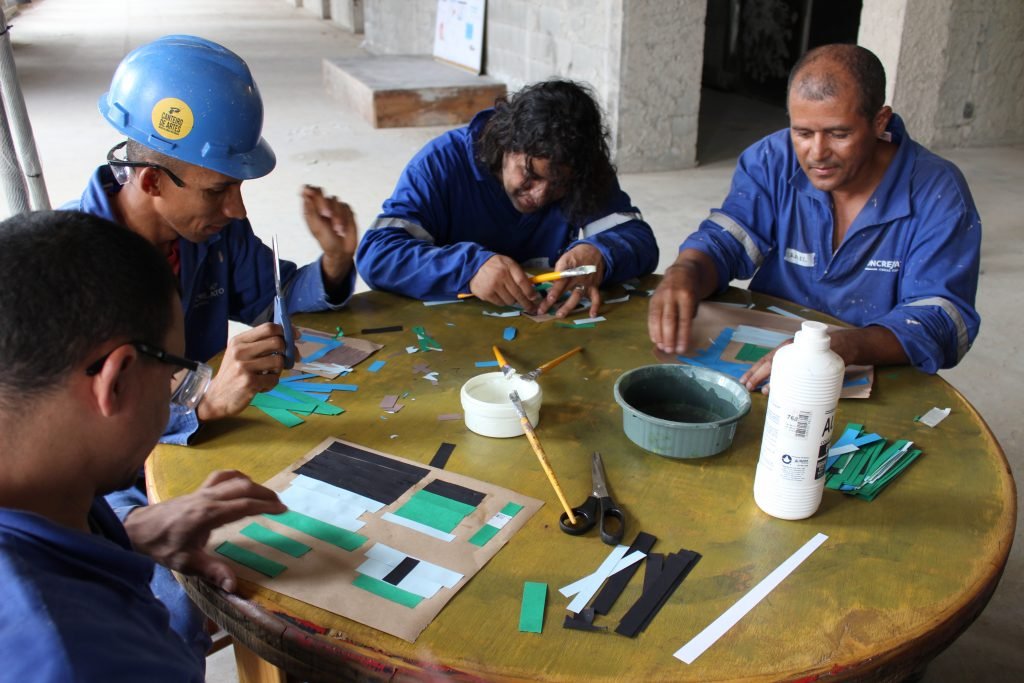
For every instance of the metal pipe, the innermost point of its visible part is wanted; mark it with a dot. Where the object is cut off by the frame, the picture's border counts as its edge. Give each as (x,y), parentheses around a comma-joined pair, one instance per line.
(20,127)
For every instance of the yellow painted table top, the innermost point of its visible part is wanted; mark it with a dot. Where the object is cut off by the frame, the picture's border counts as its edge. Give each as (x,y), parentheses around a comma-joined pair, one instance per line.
(899,578)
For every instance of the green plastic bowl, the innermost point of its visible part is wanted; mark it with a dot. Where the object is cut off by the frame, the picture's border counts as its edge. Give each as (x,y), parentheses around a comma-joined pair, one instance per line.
(680,411)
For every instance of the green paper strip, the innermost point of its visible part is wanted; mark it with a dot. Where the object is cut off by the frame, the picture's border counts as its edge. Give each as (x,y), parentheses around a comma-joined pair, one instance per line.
(283,416)
(300,396)
(426,508)
(249,559)
(511,509)
(387,591)
(531,614)
(265,401)
(328,533)
(275,540)
(752,353)
(328,409)
(582,326)
(484,534)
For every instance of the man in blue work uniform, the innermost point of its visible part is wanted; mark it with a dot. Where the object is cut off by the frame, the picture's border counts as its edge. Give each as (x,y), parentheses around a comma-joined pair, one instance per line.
(528,183)
(193,118)
(83,399)
(841,213)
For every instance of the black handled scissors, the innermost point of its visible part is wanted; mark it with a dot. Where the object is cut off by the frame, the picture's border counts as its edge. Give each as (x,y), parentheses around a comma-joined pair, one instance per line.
(598,509)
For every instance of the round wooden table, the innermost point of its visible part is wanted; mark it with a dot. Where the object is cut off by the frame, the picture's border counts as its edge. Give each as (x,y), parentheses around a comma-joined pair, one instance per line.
(897,581)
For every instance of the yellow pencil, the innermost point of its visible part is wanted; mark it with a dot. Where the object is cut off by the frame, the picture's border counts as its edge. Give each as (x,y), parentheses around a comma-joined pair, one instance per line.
(541,456)
(561,274)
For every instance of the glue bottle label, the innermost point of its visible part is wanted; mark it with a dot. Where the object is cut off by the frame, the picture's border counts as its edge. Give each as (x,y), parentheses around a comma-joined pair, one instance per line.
(795,444)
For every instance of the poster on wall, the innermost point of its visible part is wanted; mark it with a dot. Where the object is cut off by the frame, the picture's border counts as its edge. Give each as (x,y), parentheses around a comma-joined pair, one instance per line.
(459,34)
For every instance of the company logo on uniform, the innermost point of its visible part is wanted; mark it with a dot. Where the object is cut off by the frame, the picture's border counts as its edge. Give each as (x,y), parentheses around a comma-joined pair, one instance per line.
(172,118)
(883,266)
(787,458)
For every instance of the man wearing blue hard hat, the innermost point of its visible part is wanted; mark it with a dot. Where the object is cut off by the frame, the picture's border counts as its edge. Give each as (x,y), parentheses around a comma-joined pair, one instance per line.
(193,116)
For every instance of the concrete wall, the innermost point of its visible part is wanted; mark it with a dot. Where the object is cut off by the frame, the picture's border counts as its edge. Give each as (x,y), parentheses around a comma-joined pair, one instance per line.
(642,58)
(955,67)
(399,27)
(348,14)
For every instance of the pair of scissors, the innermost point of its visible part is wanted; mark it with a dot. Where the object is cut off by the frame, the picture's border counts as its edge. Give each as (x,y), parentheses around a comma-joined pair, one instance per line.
(599,509)
(281,313)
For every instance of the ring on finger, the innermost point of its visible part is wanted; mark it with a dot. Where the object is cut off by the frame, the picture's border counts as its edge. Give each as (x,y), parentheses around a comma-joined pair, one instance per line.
(580,288)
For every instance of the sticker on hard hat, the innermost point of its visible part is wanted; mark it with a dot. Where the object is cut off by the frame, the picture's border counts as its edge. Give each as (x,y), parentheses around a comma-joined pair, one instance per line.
(172,118)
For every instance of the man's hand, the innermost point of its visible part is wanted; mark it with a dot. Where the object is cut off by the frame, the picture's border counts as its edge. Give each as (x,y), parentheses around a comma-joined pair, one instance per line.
(334,226)
(502,281)
(175,533)
(871,345)
(761,370)
(580,255)
(686,283)
(252,363)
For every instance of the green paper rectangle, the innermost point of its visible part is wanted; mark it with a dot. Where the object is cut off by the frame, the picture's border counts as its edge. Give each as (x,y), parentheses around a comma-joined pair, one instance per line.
(328,409)
(581,326)
(511,509)
(328,533)
(752,353)
(267,401)
(387,591)
(424,507)
(283,416)
(484,534)
(249,559)
(455,506)
(531,614)
(277,541)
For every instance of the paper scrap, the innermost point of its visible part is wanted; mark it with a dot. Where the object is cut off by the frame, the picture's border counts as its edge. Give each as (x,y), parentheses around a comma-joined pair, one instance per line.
(509,334)
(376,365)
(531,614)
(584,321)
(934,416)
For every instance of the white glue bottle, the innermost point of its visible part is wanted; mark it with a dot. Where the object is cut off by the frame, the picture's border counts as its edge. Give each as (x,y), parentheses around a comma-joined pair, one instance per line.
(805,384)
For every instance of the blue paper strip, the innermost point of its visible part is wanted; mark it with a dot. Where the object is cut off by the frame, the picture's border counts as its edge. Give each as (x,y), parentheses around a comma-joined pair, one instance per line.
(376,365)
(487,363)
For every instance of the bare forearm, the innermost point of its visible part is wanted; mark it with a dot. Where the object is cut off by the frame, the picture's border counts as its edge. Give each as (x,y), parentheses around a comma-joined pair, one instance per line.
(872,345)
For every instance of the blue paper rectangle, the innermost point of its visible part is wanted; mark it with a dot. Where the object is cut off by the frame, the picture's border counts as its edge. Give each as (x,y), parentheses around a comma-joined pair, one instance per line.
(376,365)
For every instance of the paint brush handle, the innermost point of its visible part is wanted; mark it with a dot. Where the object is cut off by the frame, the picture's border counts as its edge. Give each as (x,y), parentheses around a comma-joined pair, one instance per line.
(546,466)
(546,277)
(552,363)
(500,358)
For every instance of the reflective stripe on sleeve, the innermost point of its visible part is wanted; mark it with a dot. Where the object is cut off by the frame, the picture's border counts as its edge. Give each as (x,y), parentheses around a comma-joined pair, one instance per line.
(736,230)
(413,229)
(953,312)
(609,221)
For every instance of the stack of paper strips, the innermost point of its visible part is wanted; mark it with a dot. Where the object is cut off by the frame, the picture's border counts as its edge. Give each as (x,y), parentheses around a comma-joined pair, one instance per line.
(862,464)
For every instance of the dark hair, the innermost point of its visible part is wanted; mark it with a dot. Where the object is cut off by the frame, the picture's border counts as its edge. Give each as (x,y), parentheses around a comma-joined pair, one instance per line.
(558,121)
(860,64)
(73,281)
(136,151)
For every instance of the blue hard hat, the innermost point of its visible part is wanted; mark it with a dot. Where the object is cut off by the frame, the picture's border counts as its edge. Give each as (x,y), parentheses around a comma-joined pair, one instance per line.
(193,100)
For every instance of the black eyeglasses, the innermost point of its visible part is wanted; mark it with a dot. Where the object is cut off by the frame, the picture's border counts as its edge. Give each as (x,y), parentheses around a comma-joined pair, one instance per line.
(189,391)
(120,166)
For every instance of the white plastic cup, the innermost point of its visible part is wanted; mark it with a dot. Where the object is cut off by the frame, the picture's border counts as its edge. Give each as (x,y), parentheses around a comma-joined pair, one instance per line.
(806,380)
(489,412)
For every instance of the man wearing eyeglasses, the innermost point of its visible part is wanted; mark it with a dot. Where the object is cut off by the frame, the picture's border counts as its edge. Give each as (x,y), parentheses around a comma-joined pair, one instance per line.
(528,183)
(193,117)
(83,400)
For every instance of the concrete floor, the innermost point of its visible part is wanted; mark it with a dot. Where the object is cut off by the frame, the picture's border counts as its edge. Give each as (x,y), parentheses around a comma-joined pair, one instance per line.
(66,51)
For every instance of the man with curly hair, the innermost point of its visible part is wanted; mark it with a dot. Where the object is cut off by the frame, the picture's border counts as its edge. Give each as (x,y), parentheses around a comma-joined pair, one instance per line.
(529,184)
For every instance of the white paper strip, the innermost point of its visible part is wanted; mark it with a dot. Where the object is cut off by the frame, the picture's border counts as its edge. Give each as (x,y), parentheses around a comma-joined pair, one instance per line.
(416,526)
(706,638)
(326,489)
(326,509)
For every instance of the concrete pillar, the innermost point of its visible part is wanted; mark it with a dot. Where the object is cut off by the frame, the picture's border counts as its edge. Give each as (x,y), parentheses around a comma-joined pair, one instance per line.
(658,84)
(348,14)
(955,68)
